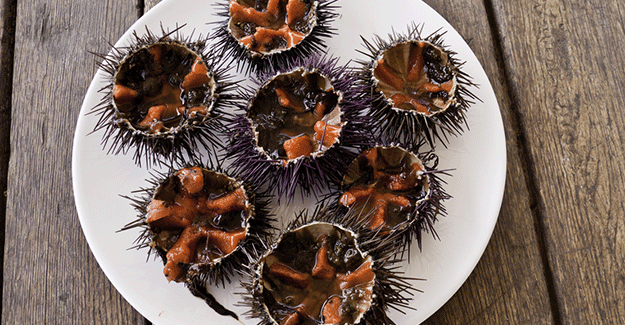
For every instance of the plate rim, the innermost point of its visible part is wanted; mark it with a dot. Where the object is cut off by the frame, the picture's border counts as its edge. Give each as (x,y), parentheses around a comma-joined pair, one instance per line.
(81,210)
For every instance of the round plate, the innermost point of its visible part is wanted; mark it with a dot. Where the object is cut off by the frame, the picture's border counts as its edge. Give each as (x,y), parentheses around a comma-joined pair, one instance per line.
(478,157)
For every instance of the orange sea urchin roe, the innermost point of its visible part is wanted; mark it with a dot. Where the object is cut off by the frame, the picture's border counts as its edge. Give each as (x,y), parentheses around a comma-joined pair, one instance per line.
(416,76)
(296,114)
(317,276)
(326,133)
(388,183)
(299,146)
(155,85)
(196,217)
(276,25)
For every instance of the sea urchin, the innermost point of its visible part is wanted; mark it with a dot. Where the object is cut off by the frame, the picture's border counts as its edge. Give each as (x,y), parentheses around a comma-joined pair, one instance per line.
(302,128)
(418,87)
(165,96)
(261,34)
(322,272)
(202,223)
(401,191)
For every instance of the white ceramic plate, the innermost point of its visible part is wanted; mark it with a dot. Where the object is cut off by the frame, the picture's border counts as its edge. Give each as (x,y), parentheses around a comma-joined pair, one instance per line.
(478,156)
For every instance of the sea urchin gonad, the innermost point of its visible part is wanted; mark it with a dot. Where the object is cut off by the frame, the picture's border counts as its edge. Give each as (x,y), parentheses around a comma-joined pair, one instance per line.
(265,33)
(302,127)
(418,88)
(165,97)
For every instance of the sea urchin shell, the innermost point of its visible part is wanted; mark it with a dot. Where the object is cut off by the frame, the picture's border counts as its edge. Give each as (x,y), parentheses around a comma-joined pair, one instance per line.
(418,87)
(165,96)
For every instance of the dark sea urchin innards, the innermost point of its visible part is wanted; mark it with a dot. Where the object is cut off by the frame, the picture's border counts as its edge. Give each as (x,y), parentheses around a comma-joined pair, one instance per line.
(302,128)
(166,97)
(324,269)
(418,87)
(261,34)
(401,191)
(203,224)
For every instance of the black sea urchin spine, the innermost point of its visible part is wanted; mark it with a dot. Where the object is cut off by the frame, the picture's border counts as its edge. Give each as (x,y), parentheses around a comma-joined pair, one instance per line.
(310,175)
(245,61)
(392,125)
(187,141)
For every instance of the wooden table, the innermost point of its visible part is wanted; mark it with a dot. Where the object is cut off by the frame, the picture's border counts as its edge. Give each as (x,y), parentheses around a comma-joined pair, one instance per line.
(557,254)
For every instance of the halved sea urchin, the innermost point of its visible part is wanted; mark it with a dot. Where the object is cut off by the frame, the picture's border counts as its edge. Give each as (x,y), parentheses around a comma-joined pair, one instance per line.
(418,87)
(302,127)
(261,34)
(322,272)
(166,96)
(202,223)
(399,189)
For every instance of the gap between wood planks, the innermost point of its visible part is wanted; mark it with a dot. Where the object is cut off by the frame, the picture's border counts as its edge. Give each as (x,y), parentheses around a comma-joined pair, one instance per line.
(8,11)
(140,8)
(527,163)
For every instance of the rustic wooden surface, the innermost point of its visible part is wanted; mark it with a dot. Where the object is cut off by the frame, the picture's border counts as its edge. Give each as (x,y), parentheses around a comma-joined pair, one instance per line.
(557,252)
(7,33)
(566,77)
(50,275)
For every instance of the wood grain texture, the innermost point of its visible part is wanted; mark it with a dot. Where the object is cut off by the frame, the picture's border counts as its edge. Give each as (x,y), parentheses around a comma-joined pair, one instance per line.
(50,275)
(507,286)
(7,41)
(565,64)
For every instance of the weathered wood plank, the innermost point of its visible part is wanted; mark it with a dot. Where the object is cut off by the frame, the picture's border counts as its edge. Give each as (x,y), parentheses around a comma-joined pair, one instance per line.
(565,64)
(7,41)
(149,4)
(507,286)
(50,275)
